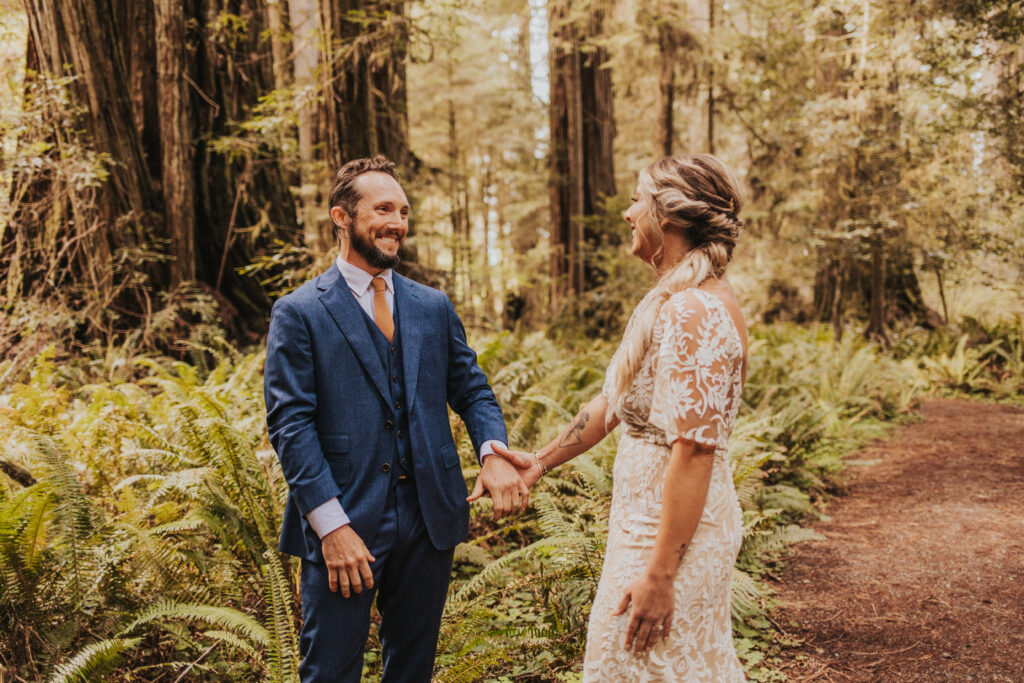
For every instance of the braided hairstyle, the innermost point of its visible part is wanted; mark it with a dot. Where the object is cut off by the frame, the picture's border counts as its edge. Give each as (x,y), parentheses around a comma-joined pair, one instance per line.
(699,198)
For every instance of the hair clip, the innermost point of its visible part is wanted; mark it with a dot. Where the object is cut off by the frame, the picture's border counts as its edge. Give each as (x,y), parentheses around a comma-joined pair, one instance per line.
(732,206)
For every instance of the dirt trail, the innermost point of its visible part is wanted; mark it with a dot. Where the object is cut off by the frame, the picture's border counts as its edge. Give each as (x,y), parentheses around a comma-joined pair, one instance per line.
(922,575)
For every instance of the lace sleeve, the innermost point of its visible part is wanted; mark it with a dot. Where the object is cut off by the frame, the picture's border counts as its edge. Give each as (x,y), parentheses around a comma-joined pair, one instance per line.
(692,375)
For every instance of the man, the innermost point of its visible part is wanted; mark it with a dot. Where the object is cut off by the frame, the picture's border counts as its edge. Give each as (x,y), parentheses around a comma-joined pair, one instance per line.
(361,364)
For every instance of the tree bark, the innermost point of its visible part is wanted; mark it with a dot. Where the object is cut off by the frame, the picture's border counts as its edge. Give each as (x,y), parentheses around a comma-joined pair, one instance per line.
(278,47)
(305,21)
(84,36)
(711,77)
(365,99)
(175,139)
(667,90)
(876,309)
(582,132)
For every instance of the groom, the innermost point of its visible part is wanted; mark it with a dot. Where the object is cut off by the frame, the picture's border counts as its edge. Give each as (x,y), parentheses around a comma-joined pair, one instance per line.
(361,366)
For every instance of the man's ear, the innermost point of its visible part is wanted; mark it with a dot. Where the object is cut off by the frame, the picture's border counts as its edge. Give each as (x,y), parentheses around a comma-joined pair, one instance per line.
(340,216)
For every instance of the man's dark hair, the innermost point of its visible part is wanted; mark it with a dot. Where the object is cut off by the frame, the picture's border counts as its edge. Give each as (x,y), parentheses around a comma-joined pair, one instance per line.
(345,193)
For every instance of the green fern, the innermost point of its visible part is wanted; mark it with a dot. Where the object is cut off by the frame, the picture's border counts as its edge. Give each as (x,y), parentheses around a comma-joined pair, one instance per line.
(93,660)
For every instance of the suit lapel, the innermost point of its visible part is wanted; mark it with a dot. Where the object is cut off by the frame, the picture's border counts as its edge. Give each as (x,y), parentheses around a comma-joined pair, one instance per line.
(344,309)
(410,333)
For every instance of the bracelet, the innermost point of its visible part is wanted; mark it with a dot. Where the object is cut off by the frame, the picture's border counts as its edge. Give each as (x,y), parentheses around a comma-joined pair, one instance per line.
(543,467)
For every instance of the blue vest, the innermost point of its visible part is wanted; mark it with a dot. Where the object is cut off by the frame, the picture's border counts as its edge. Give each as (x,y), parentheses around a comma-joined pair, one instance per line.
(390,354)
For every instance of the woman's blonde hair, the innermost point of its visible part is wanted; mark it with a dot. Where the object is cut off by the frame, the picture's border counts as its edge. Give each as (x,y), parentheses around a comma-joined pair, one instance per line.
(698,197)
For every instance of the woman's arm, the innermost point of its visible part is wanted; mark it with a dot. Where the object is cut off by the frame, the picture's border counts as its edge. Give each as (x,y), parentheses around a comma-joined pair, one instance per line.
(652,594)
(585,430)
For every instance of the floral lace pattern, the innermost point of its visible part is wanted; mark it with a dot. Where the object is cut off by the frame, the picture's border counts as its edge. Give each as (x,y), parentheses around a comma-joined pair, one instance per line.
(688,387)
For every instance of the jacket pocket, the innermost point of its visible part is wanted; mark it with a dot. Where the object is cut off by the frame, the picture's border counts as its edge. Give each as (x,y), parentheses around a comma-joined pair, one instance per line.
(449,456)
(335,446)
(341,469)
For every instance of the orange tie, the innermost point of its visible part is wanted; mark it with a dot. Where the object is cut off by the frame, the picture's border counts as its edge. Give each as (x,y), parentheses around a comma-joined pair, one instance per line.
(381,312)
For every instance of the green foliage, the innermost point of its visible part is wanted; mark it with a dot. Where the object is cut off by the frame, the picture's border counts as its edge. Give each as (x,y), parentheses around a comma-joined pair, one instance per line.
(144,540)
(148,540)
(973,357)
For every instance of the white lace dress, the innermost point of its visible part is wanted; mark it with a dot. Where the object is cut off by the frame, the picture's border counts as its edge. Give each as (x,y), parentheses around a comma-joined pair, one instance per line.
(688,387)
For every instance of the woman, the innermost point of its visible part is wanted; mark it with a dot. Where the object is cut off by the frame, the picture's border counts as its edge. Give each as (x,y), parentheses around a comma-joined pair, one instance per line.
(661,612)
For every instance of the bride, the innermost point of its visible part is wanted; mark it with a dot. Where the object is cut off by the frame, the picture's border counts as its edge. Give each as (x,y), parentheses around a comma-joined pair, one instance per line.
(661,612)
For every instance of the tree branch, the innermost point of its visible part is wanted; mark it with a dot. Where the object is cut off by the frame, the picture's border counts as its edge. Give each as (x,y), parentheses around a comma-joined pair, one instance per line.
(17,473)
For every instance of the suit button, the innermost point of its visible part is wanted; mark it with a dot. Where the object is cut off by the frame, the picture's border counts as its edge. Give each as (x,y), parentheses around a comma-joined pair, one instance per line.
(393,350)
(388,424)
(385,468)
(399,433)
(398,404)
(405,461)
(394,378)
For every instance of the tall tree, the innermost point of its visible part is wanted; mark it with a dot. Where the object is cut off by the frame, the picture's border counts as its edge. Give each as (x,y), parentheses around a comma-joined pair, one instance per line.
(582,128)
(157,88)
(865,268)
(365,97)
(677,48)
(56,240)
(178,183)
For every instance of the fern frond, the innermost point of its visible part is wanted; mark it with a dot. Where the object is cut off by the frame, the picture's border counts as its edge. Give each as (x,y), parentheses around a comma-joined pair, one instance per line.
(224,618)
(94,659)
(746,595)
(284,644)
(472,553)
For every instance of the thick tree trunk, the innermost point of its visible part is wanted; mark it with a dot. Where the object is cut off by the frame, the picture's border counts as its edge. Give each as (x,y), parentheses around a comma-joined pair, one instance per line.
(66,235)
(175,139)
(582,132)
(278,46)
(84,36)
(366,96)
(305,20)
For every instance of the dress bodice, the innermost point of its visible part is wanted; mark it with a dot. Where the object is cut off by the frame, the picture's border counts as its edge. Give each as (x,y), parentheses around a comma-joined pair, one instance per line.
(690,383)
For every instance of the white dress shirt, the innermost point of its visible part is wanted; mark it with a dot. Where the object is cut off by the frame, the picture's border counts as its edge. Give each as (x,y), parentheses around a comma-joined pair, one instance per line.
(330,515)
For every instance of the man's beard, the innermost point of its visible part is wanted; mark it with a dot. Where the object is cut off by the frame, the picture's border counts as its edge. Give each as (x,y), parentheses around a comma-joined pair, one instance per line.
(365,247)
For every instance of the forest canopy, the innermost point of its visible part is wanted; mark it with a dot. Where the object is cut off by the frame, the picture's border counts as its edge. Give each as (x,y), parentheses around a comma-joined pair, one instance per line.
(168,160)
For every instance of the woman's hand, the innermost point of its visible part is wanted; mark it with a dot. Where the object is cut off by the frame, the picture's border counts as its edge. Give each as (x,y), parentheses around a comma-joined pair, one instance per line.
(526,465)
(650,618)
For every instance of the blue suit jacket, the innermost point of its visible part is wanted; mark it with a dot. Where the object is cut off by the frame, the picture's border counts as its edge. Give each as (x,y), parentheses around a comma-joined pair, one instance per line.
(326,395)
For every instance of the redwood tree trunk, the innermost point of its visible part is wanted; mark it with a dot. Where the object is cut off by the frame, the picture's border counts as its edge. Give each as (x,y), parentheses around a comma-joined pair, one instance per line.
(175,139)
(157,81)
(84,35)
(366,94)
(582,133)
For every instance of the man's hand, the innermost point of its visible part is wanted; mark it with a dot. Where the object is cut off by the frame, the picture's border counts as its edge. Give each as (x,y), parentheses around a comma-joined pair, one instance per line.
(348,561)
(526,465)
(499,479)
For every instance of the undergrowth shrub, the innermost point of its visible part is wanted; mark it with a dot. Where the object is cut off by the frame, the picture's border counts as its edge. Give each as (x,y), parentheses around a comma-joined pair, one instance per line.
(140,507)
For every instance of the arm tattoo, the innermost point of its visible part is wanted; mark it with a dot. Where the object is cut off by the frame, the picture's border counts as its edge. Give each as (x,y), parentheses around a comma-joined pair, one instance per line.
(681,551)
(574,436)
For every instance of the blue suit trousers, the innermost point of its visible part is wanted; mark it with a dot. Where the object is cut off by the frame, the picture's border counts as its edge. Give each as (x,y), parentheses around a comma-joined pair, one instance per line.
(410,579)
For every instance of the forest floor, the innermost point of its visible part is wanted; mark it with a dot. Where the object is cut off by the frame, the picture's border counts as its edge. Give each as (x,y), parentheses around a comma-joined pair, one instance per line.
(921,575)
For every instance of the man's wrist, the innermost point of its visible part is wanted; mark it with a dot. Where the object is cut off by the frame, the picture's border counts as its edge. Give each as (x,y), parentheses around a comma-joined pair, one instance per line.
(327,517)
(487,448)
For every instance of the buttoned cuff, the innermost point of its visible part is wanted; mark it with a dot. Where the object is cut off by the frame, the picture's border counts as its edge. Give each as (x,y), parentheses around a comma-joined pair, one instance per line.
(487,448)
(327,517)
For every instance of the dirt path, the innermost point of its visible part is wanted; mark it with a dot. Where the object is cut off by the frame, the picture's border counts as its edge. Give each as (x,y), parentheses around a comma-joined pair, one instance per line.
(922,575)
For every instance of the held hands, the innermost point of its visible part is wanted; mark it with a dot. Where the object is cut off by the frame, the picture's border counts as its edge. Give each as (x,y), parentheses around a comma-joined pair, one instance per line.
(651,615)
(500,479)
(526,465)
(348,561)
